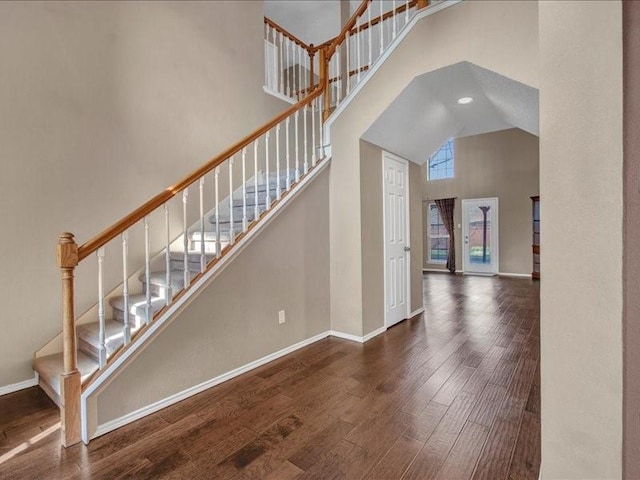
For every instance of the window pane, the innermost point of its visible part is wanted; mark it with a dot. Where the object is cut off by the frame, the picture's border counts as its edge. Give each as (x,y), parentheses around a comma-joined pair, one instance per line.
(438,236)
(441,162)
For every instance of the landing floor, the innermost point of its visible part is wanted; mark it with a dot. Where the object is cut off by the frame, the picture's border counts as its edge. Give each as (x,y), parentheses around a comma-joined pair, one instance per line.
(454,395)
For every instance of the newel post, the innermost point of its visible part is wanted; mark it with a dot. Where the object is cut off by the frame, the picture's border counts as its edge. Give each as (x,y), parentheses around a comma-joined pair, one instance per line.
(67,255)
(312,80)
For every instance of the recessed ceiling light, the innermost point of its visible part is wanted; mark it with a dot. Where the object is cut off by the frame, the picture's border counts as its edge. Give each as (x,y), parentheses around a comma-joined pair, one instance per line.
(465,100)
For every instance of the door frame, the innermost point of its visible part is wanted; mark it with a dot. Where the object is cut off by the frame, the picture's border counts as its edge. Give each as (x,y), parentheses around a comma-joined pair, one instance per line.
(495,247)
(392,156)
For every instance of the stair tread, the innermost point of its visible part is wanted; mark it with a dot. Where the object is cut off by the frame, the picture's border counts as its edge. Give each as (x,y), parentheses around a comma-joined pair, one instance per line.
(50,368)
(136,301)
(114,336)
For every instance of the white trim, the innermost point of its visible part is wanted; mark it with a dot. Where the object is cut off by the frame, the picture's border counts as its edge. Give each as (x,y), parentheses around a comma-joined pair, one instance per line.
(416,312)
(177,397)
(381,60)
(357,338)
(515,275)
(392,156)
(375,333)
(14,387)
(278,95)
(157,326)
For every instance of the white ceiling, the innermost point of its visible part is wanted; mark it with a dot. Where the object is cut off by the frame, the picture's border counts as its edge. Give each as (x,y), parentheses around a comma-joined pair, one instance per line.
(315,21)
(426,113)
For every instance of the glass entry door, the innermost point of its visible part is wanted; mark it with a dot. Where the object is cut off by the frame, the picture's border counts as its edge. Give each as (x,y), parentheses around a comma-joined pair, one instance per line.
(480,236)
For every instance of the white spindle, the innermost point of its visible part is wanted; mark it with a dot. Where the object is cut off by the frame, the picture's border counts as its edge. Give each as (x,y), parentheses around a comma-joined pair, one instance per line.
(216,174)
(297,172)
(338,78)
(278,189)
(321,126)
(245,223)
(348,62)
(381,28)
(185,237)
(266,54)
(313,132)
(406,12)
(281,65)
(102,347)
(306,146)
(167,256)
(203,259)
(359,48)
(293,70)
(256,206)
(287,148)
(232,230)
(147,271)
(267,200)
(300,75)
(369,30)
(394,18)
(126,328)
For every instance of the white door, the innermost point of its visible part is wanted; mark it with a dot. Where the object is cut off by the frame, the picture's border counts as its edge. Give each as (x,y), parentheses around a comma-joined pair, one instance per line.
(396,238)
(480,236)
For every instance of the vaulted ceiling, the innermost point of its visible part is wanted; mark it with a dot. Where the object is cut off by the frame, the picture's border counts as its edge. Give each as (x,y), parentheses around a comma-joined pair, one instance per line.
(427,113)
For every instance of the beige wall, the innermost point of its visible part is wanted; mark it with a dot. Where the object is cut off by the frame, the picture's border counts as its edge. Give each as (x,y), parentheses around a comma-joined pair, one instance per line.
(104,105)
(234,320)
(500,164)
(499,36)
(373,231)
(581,191)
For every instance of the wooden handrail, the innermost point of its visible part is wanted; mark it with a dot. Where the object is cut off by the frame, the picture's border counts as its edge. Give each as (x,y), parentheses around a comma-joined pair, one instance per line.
(347,28)
(291,36)
(383,17)
(139,213)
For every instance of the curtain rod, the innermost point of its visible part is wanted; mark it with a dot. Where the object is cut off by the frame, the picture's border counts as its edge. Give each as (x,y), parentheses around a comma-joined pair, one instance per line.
(434,199)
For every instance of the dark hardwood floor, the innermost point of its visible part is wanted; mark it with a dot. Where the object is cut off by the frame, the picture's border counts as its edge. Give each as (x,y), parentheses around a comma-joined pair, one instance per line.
(452,395)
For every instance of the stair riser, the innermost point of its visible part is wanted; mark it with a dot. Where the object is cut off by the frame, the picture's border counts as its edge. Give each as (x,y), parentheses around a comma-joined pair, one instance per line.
(135,321)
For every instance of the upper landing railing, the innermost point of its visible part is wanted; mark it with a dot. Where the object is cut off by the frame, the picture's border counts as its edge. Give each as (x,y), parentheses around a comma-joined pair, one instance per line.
(269,161)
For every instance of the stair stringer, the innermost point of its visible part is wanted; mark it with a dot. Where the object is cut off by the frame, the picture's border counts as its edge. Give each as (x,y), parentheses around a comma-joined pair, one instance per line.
(101,379)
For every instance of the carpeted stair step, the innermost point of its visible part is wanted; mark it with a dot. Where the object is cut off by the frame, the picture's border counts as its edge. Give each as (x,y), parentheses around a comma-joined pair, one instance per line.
(159,283)
(89,337)
(137,308)
(50,368)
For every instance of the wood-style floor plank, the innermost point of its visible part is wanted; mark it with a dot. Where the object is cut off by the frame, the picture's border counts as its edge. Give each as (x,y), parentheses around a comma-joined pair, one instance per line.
(451,394)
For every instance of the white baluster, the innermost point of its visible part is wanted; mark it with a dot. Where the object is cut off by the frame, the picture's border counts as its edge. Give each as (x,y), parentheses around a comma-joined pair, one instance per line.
(305,111)
(369,30)
(348,62)
(216,185)
(267,201)
(287,146)
(278,189)
(359,48)
(245,223)
(126,328)
(321,126)
(293,70)
(406,12)
(203,259)
(297,172)
(147,271)
(256,206)
(232,230)
(185,238)
(281,65)
(300,75)
(381,28)
(395,19)
(266,55)
(313,132)
(167,257)
(339,77)
(102,347)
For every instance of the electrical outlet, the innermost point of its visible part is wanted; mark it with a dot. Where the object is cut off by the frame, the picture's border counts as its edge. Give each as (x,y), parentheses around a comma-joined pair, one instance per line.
(281,317)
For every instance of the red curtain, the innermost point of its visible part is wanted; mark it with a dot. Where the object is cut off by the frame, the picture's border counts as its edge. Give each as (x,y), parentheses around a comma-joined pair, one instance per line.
(445,208)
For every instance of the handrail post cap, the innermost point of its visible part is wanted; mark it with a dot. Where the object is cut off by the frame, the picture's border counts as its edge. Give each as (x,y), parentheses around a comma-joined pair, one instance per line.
(67,251)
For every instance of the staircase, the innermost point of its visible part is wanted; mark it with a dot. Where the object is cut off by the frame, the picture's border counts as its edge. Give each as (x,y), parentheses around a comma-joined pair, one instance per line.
(280,158)
(245,211)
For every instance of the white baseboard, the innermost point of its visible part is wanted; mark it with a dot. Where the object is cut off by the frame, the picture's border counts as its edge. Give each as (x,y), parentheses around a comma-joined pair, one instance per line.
(417,312)
(438,270)
(515,275)
(375,333)
(183,395)
(346,336)
(14,387)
